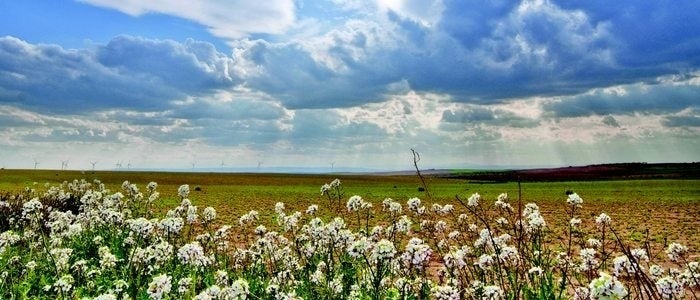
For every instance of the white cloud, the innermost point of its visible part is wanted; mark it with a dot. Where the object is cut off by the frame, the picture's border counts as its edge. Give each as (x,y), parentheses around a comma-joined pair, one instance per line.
(426,13)
(230,19)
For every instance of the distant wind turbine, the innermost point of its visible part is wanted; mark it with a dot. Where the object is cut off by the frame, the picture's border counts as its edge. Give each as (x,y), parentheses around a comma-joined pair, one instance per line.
(36,163)
(93,163)
(193,164)
(259,164)
(222,164)
(64,164)
(128,165)
(118,165)
(332,166)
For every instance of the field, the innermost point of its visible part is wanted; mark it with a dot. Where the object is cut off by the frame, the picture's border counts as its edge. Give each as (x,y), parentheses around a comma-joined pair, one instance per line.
(658,211)
(669,208)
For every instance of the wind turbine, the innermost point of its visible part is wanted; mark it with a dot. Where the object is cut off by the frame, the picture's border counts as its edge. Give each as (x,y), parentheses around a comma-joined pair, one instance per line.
(64,164)
(193,164)
(332,166)
(118,165)
(128,165)
(222,164)
(36,162)
(259,164)
(93,163)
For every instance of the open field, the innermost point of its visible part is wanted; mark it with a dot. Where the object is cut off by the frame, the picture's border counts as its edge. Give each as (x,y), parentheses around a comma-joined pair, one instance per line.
(669,208)
(375,249)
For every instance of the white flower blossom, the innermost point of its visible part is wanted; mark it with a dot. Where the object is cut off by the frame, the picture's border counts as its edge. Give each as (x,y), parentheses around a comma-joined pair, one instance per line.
(606,287)
(209,214)
(183,191)
(159,287)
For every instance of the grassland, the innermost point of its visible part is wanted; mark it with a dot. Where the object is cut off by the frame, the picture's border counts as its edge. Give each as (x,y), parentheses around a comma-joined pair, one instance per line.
(668,208)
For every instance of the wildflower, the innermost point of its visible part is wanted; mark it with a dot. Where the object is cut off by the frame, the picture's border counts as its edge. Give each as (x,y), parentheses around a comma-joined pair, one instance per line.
(31,209)
(669,288)
(582,293)
(384,249)
(358,247)
(485,261)
(606,287)
(474,200)
(413,204)
(502,202)
(574,200)
(602,220)
(623,263)
(221,277)
(152,186)
(249,217)
(440,226)
(575,222)
(64,284)
(325,189)
(595,243)
(502,221)
(171,225)
(535,222)
(446,209)
(403,224)
(239,289)
(191,214)
(509,255)
(690,276)
(61,256)
(417,254)
(183,191)
(656,271)
(676,251)
(107,259)
(354,203)
(120,285)
(160,286)
(445,292)
(588,260)
(209,214)
(312,209)
(30,265)
(141,227)
(107,296)
(210,293)
(492,292)
(9,238)
(536,271)
(193,254)
(184,285)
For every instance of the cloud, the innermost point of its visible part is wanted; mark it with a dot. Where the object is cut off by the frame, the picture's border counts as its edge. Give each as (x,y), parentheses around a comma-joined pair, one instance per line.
(487,116)
(610,121)
(128,72)
(653,36)
(667,94)
(226,19)
(686,118)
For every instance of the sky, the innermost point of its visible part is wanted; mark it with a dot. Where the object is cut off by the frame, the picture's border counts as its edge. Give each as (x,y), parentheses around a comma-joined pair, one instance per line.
(347,84)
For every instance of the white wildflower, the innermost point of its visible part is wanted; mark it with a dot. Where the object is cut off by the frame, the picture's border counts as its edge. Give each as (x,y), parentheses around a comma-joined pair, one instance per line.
(159,287)
(183,191)
(606,287)
(669,288)
(209,214)
(676,251)
(474,200)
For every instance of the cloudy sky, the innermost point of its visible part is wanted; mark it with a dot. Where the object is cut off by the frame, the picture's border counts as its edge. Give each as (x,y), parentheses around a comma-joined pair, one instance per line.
(169,83)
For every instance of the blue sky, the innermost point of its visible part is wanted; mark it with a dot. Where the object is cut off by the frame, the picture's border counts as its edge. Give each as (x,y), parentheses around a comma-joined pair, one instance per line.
(164,84)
